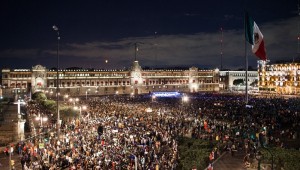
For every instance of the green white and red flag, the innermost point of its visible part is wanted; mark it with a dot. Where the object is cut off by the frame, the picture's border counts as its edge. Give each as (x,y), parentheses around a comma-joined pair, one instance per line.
(255,37)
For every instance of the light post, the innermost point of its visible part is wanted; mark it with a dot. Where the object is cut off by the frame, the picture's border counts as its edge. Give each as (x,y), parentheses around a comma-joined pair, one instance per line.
(41,119)
(135,161)
(153,98)
(11,165)
(1,104)
(185,99)
(80,109)
(55,28)
(72,100)
(86,93)
(259,157)
(66,97)
(47,93)
(51,93)
(272,158)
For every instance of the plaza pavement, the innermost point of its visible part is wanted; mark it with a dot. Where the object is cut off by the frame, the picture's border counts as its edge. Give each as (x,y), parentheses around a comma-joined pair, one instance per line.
(228,162)
(4,161)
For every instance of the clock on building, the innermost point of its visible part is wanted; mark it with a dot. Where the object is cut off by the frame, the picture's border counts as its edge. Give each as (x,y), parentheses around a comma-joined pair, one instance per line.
(137,75)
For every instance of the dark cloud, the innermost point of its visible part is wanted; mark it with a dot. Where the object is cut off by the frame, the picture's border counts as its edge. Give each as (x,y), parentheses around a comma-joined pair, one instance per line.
(192,50)
(188,33)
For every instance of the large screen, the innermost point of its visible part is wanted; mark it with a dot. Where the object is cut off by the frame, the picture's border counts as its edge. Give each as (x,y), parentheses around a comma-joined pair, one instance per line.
(166,94)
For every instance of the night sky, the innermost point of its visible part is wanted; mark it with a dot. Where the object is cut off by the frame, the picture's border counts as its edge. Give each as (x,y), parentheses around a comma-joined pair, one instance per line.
(175,33)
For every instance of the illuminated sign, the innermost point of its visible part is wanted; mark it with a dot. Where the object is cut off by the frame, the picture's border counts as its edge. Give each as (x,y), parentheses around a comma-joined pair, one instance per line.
(166,94)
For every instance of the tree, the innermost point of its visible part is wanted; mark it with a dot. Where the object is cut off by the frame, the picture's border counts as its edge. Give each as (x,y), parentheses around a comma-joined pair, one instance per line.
(238,82)
(39,97)
(49,105)
(67,113)
(254,83)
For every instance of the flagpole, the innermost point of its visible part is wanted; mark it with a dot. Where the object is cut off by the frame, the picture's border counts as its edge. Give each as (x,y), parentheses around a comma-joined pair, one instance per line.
(135,50)
(246,61)
(221,29)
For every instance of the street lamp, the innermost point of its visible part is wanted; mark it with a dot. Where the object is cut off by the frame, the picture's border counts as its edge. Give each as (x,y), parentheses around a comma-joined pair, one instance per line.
(66,96)
(135,161)
(41,119)
(86,93)
(71,100)
(51,93)
(153,97)
(259,157)
(1,97)
(185,99)
(80,109)
(11,162)
(272,158)
(55,28)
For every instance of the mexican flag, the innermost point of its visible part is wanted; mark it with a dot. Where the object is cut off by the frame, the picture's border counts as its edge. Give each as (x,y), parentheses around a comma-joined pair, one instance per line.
(255,37)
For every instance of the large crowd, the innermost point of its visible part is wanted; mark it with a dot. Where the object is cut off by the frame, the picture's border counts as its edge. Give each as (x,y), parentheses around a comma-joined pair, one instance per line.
(121,132)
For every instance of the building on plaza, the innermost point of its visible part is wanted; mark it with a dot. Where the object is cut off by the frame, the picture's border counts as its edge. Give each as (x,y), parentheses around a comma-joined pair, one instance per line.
(228,77)
(279,78)
(104,82)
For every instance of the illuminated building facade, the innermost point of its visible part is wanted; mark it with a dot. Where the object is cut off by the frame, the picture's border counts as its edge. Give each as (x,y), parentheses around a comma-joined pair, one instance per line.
(279,78)
(135,80)
(227,79)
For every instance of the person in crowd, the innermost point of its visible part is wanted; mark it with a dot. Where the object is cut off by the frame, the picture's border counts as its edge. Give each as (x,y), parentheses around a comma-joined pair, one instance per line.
(119,133)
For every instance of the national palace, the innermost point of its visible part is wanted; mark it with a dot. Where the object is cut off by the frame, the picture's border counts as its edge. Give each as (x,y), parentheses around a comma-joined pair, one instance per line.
(273,78)
(105,82)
